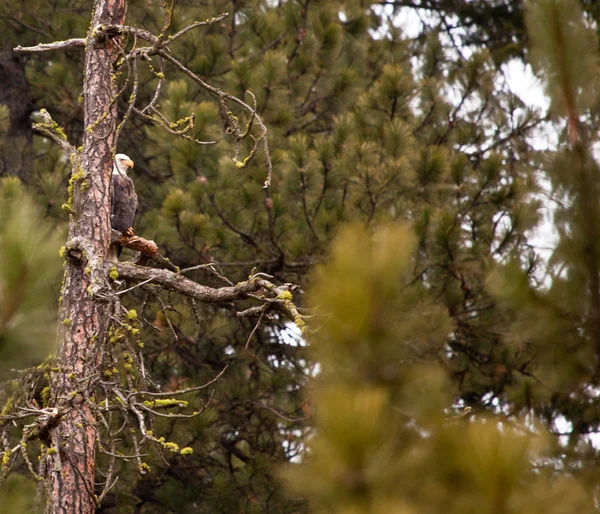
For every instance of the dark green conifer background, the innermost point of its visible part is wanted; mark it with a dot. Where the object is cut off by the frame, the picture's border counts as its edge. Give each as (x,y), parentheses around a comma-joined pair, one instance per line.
(448,367)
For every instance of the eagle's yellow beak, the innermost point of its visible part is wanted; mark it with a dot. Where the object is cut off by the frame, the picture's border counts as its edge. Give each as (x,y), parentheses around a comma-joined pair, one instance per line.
(128,163)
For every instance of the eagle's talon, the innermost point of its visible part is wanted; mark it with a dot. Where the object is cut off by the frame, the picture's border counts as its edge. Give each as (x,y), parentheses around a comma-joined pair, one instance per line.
(129,232)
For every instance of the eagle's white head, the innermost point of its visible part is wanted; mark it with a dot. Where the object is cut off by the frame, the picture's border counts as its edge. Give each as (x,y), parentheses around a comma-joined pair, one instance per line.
(122,162)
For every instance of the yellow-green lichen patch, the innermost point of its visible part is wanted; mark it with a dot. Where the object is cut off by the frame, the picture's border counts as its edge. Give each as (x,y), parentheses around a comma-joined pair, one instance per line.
(68,208)
(76,177)
(45,394)
(301,324)
(172,447)
(241,164)
(6,458)
(186,451)
(165,404)
(285,295)
(50,126)
(113,273)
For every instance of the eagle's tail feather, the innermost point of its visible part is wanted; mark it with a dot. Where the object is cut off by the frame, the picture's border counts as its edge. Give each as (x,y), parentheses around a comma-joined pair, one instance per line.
(113,253)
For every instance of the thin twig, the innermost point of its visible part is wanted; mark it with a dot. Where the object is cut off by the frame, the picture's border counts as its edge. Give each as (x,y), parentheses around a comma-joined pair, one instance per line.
(212,21)
(264,309)
(185,391)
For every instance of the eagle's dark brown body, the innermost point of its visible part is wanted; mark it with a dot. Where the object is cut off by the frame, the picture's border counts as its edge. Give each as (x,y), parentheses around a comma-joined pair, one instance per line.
(123,206)
(124,203)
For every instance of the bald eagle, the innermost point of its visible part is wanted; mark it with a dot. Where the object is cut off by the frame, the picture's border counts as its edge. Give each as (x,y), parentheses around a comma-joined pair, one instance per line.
(123,200)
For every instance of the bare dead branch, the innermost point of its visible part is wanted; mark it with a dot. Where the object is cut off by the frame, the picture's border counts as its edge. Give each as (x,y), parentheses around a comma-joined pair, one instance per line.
(251,311)
(279,414)
(132,70)
(210,268)
(212,21)
(185,391)
(164,311)
(263,310)
(169,415)
(124,30)
(49,128)
(180,284)
(260,289)
(50,47)
(221,94)
(161,79)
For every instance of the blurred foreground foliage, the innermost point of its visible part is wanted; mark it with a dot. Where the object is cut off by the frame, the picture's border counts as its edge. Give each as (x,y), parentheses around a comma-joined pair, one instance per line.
(387,438)
(17,495)
(29,275)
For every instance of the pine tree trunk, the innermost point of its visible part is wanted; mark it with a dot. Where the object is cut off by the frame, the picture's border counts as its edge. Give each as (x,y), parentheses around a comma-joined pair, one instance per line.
(83,320)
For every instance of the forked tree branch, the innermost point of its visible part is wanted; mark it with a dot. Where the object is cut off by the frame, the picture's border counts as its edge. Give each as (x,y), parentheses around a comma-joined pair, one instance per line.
(49,128)
(257,287)
(117,30)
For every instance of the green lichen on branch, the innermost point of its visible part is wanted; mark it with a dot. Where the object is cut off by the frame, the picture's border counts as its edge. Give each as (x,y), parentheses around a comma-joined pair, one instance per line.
(90,128)
(77,177)
(8,407)
(6,458)
(165,404)
(172,447)
(158,74)
(45,394)
(300,324)
(241,164)
(114,336)
(49,126)
(169,445)
(285,295)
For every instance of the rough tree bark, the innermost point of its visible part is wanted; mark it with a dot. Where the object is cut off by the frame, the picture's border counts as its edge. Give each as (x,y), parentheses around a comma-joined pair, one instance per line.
(82,319)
